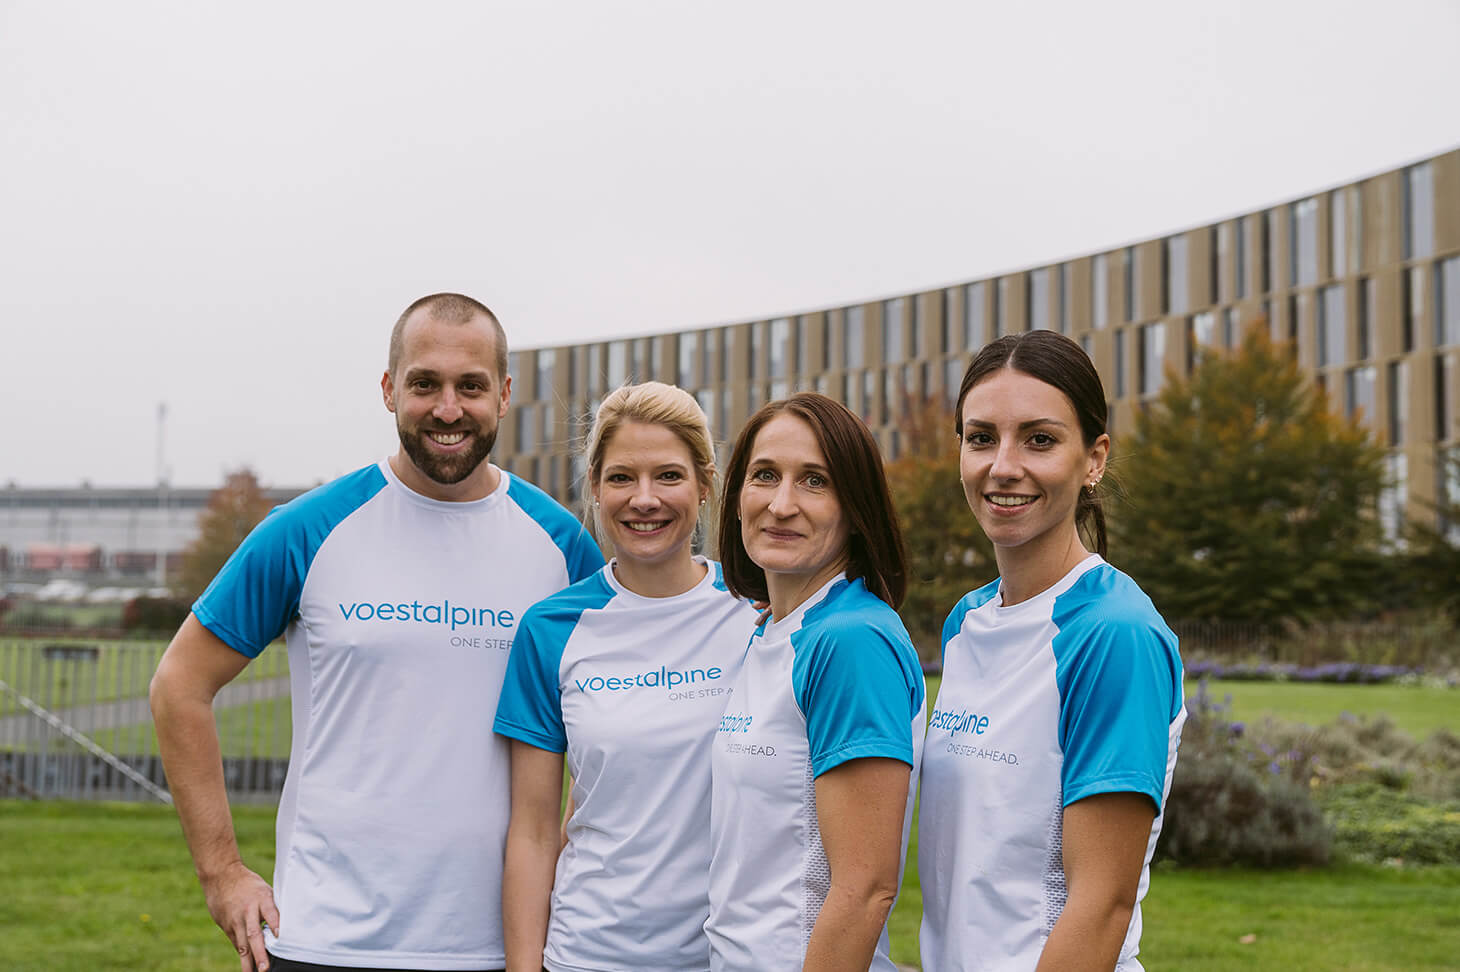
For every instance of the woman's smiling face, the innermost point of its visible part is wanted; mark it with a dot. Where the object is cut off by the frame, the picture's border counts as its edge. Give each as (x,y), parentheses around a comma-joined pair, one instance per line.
(1023,462)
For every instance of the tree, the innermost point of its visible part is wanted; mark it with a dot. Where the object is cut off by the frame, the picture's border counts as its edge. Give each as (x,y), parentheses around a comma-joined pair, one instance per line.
(1433,558)
(233,510)
(1248,498)
(948,555)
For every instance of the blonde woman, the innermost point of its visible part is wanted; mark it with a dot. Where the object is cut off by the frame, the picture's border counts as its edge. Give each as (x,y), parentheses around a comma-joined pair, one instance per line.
(625,674)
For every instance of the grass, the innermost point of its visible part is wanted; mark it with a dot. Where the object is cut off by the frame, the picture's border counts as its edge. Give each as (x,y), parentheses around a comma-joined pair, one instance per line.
(1416,709)
(109,886)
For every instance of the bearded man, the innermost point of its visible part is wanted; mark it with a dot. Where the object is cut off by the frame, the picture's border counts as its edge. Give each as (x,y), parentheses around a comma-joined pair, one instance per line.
(398,588)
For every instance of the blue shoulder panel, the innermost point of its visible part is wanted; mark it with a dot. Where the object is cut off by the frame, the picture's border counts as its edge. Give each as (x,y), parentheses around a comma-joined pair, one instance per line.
(719,576)
(856,677)
(256,594)
(969,602)
(531,706)
(1119,678)
(580,553)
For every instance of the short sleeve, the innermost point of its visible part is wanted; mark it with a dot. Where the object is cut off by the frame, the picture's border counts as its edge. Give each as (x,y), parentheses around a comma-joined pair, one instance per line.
(531,705)
(856,687)
(256,594)
(583,556)
(1119,684)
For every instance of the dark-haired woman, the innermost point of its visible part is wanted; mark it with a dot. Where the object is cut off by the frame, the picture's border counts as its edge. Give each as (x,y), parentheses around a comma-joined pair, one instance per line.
(816,758)
(1050,751)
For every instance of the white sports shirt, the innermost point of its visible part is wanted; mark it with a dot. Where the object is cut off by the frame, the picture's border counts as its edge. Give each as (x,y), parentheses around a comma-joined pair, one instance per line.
(1072,693)
(837,679)
(399,612)
(632,689)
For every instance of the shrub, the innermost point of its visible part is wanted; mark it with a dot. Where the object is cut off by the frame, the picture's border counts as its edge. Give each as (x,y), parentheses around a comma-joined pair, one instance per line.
(1227,807)
(1374,822)
(154,615)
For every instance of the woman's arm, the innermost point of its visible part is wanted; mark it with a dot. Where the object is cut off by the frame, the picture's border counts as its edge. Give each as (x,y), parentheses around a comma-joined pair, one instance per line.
(859,808)
(1105,839)
(533,844)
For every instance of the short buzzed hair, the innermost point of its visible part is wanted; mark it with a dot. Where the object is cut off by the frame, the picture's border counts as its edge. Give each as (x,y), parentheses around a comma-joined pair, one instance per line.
(451,309)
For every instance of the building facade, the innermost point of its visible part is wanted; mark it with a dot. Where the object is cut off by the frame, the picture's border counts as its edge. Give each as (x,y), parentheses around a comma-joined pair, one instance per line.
(119,533)
(1363,279)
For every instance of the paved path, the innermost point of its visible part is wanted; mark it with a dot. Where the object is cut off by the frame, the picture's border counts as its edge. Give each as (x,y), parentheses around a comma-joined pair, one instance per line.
(97,717)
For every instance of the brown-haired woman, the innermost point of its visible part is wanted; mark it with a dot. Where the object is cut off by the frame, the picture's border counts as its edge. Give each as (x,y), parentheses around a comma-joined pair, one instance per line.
(816,756)
(1049,754)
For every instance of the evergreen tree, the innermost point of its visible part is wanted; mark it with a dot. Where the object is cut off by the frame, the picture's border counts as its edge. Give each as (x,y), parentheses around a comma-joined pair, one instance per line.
(1247,497)
(1433,559)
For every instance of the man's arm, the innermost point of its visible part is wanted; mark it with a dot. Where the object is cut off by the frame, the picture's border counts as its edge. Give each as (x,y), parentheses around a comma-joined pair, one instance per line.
(192,670)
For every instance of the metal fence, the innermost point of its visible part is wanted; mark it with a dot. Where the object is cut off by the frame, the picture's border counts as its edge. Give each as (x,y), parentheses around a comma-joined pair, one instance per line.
(75,723)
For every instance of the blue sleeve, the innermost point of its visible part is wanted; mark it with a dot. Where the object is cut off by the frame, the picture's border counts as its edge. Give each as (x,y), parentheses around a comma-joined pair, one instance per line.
(256,594)
(1120,687)
(531,706)
(858,685)
(581,555)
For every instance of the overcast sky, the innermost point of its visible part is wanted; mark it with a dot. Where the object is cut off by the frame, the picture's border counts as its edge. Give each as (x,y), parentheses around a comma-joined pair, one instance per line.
(224,207)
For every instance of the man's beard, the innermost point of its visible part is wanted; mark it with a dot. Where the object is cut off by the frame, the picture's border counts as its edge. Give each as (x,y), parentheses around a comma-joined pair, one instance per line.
(452,469)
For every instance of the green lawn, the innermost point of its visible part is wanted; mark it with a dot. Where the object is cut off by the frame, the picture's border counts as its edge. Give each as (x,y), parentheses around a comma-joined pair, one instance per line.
(1417,709)
(109,886)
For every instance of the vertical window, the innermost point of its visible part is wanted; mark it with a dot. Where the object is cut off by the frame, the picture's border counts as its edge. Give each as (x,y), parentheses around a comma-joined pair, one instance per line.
(1332,326)
(596,370)
(706,399)
(1303,243)
(1066,272)
(975,327)
(1419,211)
(1239,261)
(1001,306)
(1204,327)
(1398,402)
(1444,397)
(1152,358)
(1447,302)
(1120,362)
(1099,291)
(953,370)
(803,353)
(1217,245)
(1230,330)
(757,345)
(889,395)
(1265,251)
(526,442)
(1366,319)
(1358,392)
(1177,296)
(543,386)
(1129,283)
(853,350)
(1036,302)
(1412,282)
(1337,233)
(945,341)
(688,351)
(1394,496)
(708,340)
(1087,343)
(915,326)
(618,363)
(780,329)
(869,394)
(892,341)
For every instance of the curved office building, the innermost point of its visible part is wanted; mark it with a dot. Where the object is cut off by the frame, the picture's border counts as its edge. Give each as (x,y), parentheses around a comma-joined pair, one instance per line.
(1364,278)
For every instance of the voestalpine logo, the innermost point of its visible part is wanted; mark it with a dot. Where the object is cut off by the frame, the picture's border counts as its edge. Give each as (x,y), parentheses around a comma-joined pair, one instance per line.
(445,613)
(658,678)
(960,721)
